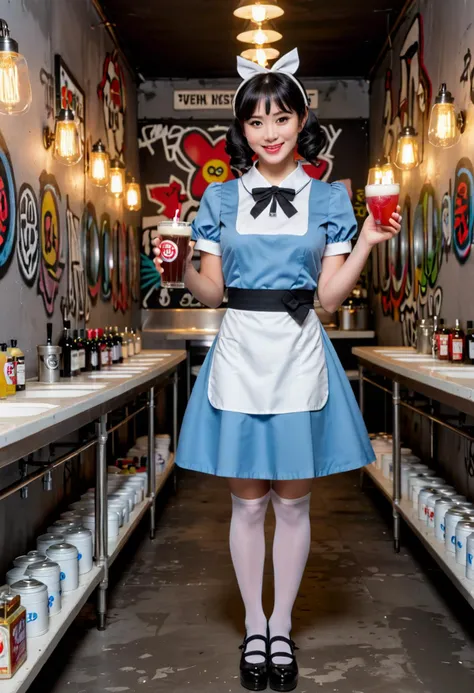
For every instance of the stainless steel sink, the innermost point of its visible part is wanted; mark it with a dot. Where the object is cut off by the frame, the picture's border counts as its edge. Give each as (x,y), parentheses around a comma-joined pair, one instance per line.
(62,393)
(20,410)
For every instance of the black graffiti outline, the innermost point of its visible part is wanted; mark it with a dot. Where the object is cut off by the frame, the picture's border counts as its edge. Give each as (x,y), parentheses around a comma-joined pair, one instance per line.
(28,241)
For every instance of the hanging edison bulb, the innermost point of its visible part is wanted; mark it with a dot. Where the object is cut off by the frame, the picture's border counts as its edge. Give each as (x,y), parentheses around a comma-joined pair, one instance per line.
(133,200)
(117,178)
(259,36)
(260,54)
(66,138)
(375,174)
(446,125)
(258,11)
(99,165)
(15,88)
(388,173)
(407,149)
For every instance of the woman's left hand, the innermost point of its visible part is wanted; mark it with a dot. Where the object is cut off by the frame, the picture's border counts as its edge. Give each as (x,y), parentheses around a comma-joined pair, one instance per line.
(373,233)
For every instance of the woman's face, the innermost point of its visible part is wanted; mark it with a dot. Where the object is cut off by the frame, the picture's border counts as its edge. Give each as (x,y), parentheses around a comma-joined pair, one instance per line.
(272,137)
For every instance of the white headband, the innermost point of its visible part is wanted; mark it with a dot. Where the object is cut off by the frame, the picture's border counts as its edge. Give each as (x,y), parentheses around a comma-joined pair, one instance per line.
(287,64)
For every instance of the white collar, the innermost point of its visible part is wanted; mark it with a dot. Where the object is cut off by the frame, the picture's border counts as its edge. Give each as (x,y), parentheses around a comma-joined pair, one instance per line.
(254,179)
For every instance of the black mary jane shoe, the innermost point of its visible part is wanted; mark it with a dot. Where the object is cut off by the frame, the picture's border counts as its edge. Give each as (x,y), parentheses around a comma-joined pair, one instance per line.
(254,677)
(282,677)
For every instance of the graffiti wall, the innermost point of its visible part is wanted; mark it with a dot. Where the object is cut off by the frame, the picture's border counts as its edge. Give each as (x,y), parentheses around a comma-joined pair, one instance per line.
(427,269)
(67,248)
(179,161)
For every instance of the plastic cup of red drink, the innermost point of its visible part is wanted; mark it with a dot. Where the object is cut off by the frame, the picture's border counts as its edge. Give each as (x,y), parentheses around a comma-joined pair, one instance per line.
(382,201)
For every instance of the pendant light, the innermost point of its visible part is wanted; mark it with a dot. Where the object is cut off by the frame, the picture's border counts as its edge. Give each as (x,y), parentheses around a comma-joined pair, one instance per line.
(117,178)
(133,200)
(258,11)
(66,139)
(375,174)
(446,125)
(15,88)
(99,165)
(260,35)
(260,54)
(407,149)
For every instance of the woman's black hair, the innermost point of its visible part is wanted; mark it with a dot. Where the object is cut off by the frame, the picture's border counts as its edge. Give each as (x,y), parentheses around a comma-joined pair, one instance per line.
(277,87)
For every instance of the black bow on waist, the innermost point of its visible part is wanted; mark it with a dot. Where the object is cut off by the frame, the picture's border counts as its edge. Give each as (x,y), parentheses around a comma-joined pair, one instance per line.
(298,304)
(273,194)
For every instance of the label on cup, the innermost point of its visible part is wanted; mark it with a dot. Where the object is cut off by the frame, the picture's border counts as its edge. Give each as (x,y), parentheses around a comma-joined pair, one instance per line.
(169,250)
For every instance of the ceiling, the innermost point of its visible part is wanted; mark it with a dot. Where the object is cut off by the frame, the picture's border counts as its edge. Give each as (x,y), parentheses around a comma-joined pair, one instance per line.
(196,38)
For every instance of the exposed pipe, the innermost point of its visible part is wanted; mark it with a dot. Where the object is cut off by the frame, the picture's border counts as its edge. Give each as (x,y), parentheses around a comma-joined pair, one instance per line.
(110,30)
(388,40)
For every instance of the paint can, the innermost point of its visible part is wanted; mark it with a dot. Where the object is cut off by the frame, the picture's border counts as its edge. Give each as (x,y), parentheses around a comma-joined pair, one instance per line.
(25,561)
(66,555)
(14,575)
(424,494)
(470,557)
(452,518)
(81,538)
(120,504)
(60,526)
(464,530)
(34,597)
(48,573)
(44,541)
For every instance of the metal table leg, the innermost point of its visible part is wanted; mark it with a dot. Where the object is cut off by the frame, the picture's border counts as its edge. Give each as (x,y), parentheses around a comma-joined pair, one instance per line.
(396,464)
(175,425)
(101,538)
(151,459)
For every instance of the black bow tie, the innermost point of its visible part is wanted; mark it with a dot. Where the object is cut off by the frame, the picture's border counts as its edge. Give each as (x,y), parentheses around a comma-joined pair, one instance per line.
(273,194)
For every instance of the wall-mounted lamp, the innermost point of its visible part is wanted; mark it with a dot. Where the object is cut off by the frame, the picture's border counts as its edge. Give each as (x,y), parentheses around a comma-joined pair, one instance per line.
(375,174)
(99,165)
(446,125)
(381,174)
(117,178)
(133,198)
(15,88)
(66,138)
(407,149)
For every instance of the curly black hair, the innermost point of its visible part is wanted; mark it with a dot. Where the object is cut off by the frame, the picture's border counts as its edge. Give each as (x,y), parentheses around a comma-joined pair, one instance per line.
(280,88)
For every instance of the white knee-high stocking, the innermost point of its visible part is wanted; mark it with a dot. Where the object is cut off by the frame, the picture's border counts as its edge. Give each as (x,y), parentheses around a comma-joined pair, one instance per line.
(247,548)
(291,546)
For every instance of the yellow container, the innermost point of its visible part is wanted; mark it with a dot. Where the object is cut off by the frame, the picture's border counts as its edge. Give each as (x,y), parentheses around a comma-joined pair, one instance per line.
(13,651)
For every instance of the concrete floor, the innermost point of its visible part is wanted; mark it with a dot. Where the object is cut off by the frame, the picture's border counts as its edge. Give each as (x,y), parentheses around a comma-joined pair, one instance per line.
(366,620)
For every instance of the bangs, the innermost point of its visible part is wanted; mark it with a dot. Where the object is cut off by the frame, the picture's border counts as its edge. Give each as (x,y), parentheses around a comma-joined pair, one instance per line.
(271,89)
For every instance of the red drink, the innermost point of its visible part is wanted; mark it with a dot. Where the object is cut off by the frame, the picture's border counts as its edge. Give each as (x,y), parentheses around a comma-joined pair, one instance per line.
(382,201)
(174,245)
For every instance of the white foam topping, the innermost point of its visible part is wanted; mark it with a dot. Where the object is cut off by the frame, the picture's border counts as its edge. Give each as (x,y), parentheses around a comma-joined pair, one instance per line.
(170,228)
(381,190)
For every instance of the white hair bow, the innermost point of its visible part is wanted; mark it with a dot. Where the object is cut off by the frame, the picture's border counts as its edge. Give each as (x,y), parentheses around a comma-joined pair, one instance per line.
(287,64)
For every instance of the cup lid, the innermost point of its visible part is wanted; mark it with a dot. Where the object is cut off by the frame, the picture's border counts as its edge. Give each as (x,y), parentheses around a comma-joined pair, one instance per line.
(62,548)
(78,532)
(49,536)
(29,585)
(46,566)
(24,561)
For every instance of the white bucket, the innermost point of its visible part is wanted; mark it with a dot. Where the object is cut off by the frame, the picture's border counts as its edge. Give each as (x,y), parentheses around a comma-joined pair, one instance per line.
(44,541)
(81,538)
(48,573)
(66,555)
(34,597)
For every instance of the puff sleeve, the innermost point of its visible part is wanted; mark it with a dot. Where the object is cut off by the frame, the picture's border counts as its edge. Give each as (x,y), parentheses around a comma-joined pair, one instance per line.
(205,228)
(341,225)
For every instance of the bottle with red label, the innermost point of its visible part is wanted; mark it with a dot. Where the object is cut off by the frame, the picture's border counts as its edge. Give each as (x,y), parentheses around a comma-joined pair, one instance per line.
(93,352)
(456,344)
(9,371)
(442,341)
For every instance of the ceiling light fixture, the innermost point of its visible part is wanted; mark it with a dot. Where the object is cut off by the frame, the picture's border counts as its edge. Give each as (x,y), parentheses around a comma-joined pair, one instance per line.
(258,11)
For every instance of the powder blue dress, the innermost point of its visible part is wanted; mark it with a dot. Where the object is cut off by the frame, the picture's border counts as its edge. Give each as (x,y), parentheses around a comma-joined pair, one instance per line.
(272,400)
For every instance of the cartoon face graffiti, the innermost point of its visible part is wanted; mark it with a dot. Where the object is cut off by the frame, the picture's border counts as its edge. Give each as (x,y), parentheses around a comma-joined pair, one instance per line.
(27,248)
(52,264)
(111,91)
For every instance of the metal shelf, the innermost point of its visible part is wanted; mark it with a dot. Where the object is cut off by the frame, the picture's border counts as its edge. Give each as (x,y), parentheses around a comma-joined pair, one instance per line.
(39,649)
(447,563)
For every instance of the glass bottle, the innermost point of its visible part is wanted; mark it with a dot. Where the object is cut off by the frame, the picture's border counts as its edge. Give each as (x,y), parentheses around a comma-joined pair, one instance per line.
(443,341)
(65,343)
(469,349)
(93,352)
(457,343)
(75,366)
(118,339)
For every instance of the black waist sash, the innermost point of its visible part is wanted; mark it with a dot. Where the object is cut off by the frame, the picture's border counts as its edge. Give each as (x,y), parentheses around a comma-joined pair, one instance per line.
(295,302)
